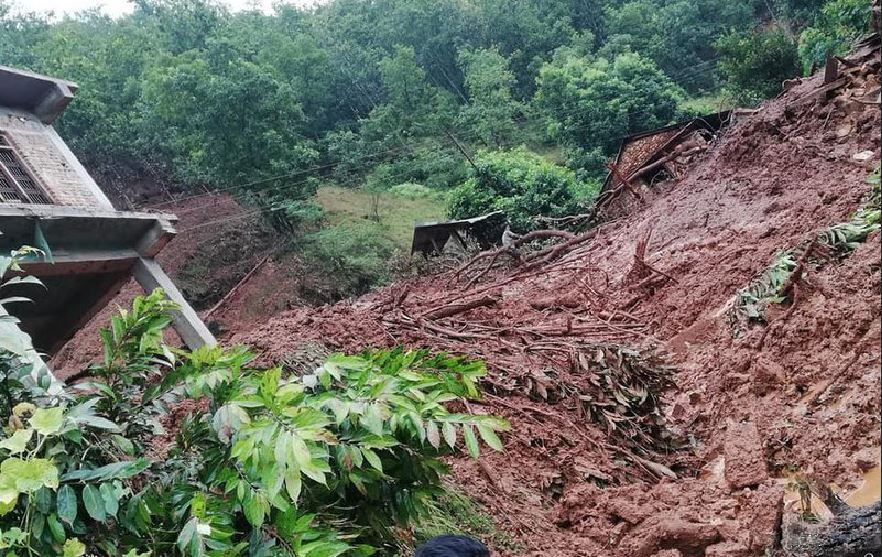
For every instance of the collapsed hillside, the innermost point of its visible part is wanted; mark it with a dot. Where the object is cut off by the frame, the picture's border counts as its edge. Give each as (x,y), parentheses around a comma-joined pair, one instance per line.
(206,260)
(748,407)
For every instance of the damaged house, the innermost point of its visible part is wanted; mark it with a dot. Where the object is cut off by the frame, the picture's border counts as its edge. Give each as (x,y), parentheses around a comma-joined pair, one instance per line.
(664,153)
(49,201)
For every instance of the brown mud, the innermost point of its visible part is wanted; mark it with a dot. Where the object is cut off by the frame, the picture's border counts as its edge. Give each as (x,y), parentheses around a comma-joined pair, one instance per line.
(798,394)
(805,386)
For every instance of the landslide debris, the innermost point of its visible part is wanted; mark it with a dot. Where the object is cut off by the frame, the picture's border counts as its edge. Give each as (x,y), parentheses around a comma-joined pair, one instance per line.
(641,424)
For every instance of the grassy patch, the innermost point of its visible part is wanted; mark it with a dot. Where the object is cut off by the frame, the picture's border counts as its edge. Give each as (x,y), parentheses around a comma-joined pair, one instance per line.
(397,212)
(457,513)
(706,104)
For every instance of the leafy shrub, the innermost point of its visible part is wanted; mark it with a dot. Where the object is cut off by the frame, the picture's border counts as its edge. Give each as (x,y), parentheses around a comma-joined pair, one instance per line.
(260,462)
(594,102)
(589,164)
(354,254)
(520,183)
(755,63)
(838,25)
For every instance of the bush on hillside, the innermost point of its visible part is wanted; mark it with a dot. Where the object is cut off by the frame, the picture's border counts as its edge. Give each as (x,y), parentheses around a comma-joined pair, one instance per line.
(520,183)
(593,103)
(355,255)
(410,190)
(756,63)
(257,462)
(836,28)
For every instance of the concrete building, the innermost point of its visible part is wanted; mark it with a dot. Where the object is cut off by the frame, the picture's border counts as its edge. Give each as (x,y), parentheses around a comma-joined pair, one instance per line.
(49,201)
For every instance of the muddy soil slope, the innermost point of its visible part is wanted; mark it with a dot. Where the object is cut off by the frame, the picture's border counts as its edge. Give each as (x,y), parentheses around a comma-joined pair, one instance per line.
(214,249)
(748,405)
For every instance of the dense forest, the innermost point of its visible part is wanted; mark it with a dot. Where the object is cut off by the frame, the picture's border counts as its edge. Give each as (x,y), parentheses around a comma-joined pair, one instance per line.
(389,95)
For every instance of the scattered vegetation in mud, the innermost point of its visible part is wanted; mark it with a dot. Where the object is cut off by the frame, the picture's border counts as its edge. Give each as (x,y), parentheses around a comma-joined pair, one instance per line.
(619,388)
(621,394)
(167,451)
(775,284)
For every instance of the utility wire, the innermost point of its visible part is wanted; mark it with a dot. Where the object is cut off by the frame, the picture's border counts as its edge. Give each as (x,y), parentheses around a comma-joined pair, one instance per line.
(692,73)
(253,212)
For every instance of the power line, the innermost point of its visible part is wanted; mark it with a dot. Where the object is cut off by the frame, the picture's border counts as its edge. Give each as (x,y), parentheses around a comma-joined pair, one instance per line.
(254,212)
(693,73)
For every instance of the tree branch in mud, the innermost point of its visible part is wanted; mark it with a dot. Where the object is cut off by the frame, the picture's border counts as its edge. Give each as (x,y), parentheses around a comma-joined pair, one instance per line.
(450,310)
(640,269)
(510,250)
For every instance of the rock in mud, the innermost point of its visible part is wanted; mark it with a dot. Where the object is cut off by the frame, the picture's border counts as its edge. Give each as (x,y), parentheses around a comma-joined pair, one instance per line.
(766,513)
(766,376)
(659,533)
(727,549)
(745,460)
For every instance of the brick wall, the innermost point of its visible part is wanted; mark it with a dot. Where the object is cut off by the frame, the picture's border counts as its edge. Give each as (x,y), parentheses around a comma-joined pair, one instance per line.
(51,162)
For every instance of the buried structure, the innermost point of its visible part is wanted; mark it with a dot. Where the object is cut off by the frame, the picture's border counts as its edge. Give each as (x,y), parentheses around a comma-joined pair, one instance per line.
(49,201)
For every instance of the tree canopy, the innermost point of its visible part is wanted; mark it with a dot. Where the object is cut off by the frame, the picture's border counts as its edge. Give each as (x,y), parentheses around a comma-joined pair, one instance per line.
(400,91)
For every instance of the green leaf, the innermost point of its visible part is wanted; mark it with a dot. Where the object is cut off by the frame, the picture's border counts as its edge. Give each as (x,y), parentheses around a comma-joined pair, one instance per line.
(468,433)
(293,483)
(125,445)
(372,458)
(66,504)
(228,420)
(490,437)
(47,421)
(301,453)
(94,503)
(55,528)
(449,431)
(18,442)
(323,549)
(372,420)
(74,548)
(97,422)
(113,471)
(27,476)
(189,539)
(255,508)
(432,434)
(110,497)
(43,500)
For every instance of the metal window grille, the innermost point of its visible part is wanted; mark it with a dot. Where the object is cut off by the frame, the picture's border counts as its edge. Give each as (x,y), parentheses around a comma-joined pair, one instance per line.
(17,185)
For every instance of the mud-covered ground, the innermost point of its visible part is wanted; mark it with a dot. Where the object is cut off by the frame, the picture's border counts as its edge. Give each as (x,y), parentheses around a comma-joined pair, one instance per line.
(798,395)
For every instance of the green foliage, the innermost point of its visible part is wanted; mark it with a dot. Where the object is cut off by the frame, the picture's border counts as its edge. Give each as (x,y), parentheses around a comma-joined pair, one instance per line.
(521,184)
(834,242)
(263,463)
(840,22)
(491,111)
(755,63)
(410,190)
(217,120)
(589,164)
(594,103)
(356,255)
(676,35)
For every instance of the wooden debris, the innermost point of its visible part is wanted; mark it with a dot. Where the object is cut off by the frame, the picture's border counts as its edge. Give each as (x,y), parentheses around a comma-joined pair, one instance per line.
(450,310)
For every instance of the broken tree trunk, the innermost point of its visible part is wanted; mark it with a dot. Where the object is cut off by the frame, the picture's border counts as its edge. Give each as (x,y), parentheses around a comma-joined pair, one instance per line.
(856,532)
(450,310)
(236,288)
